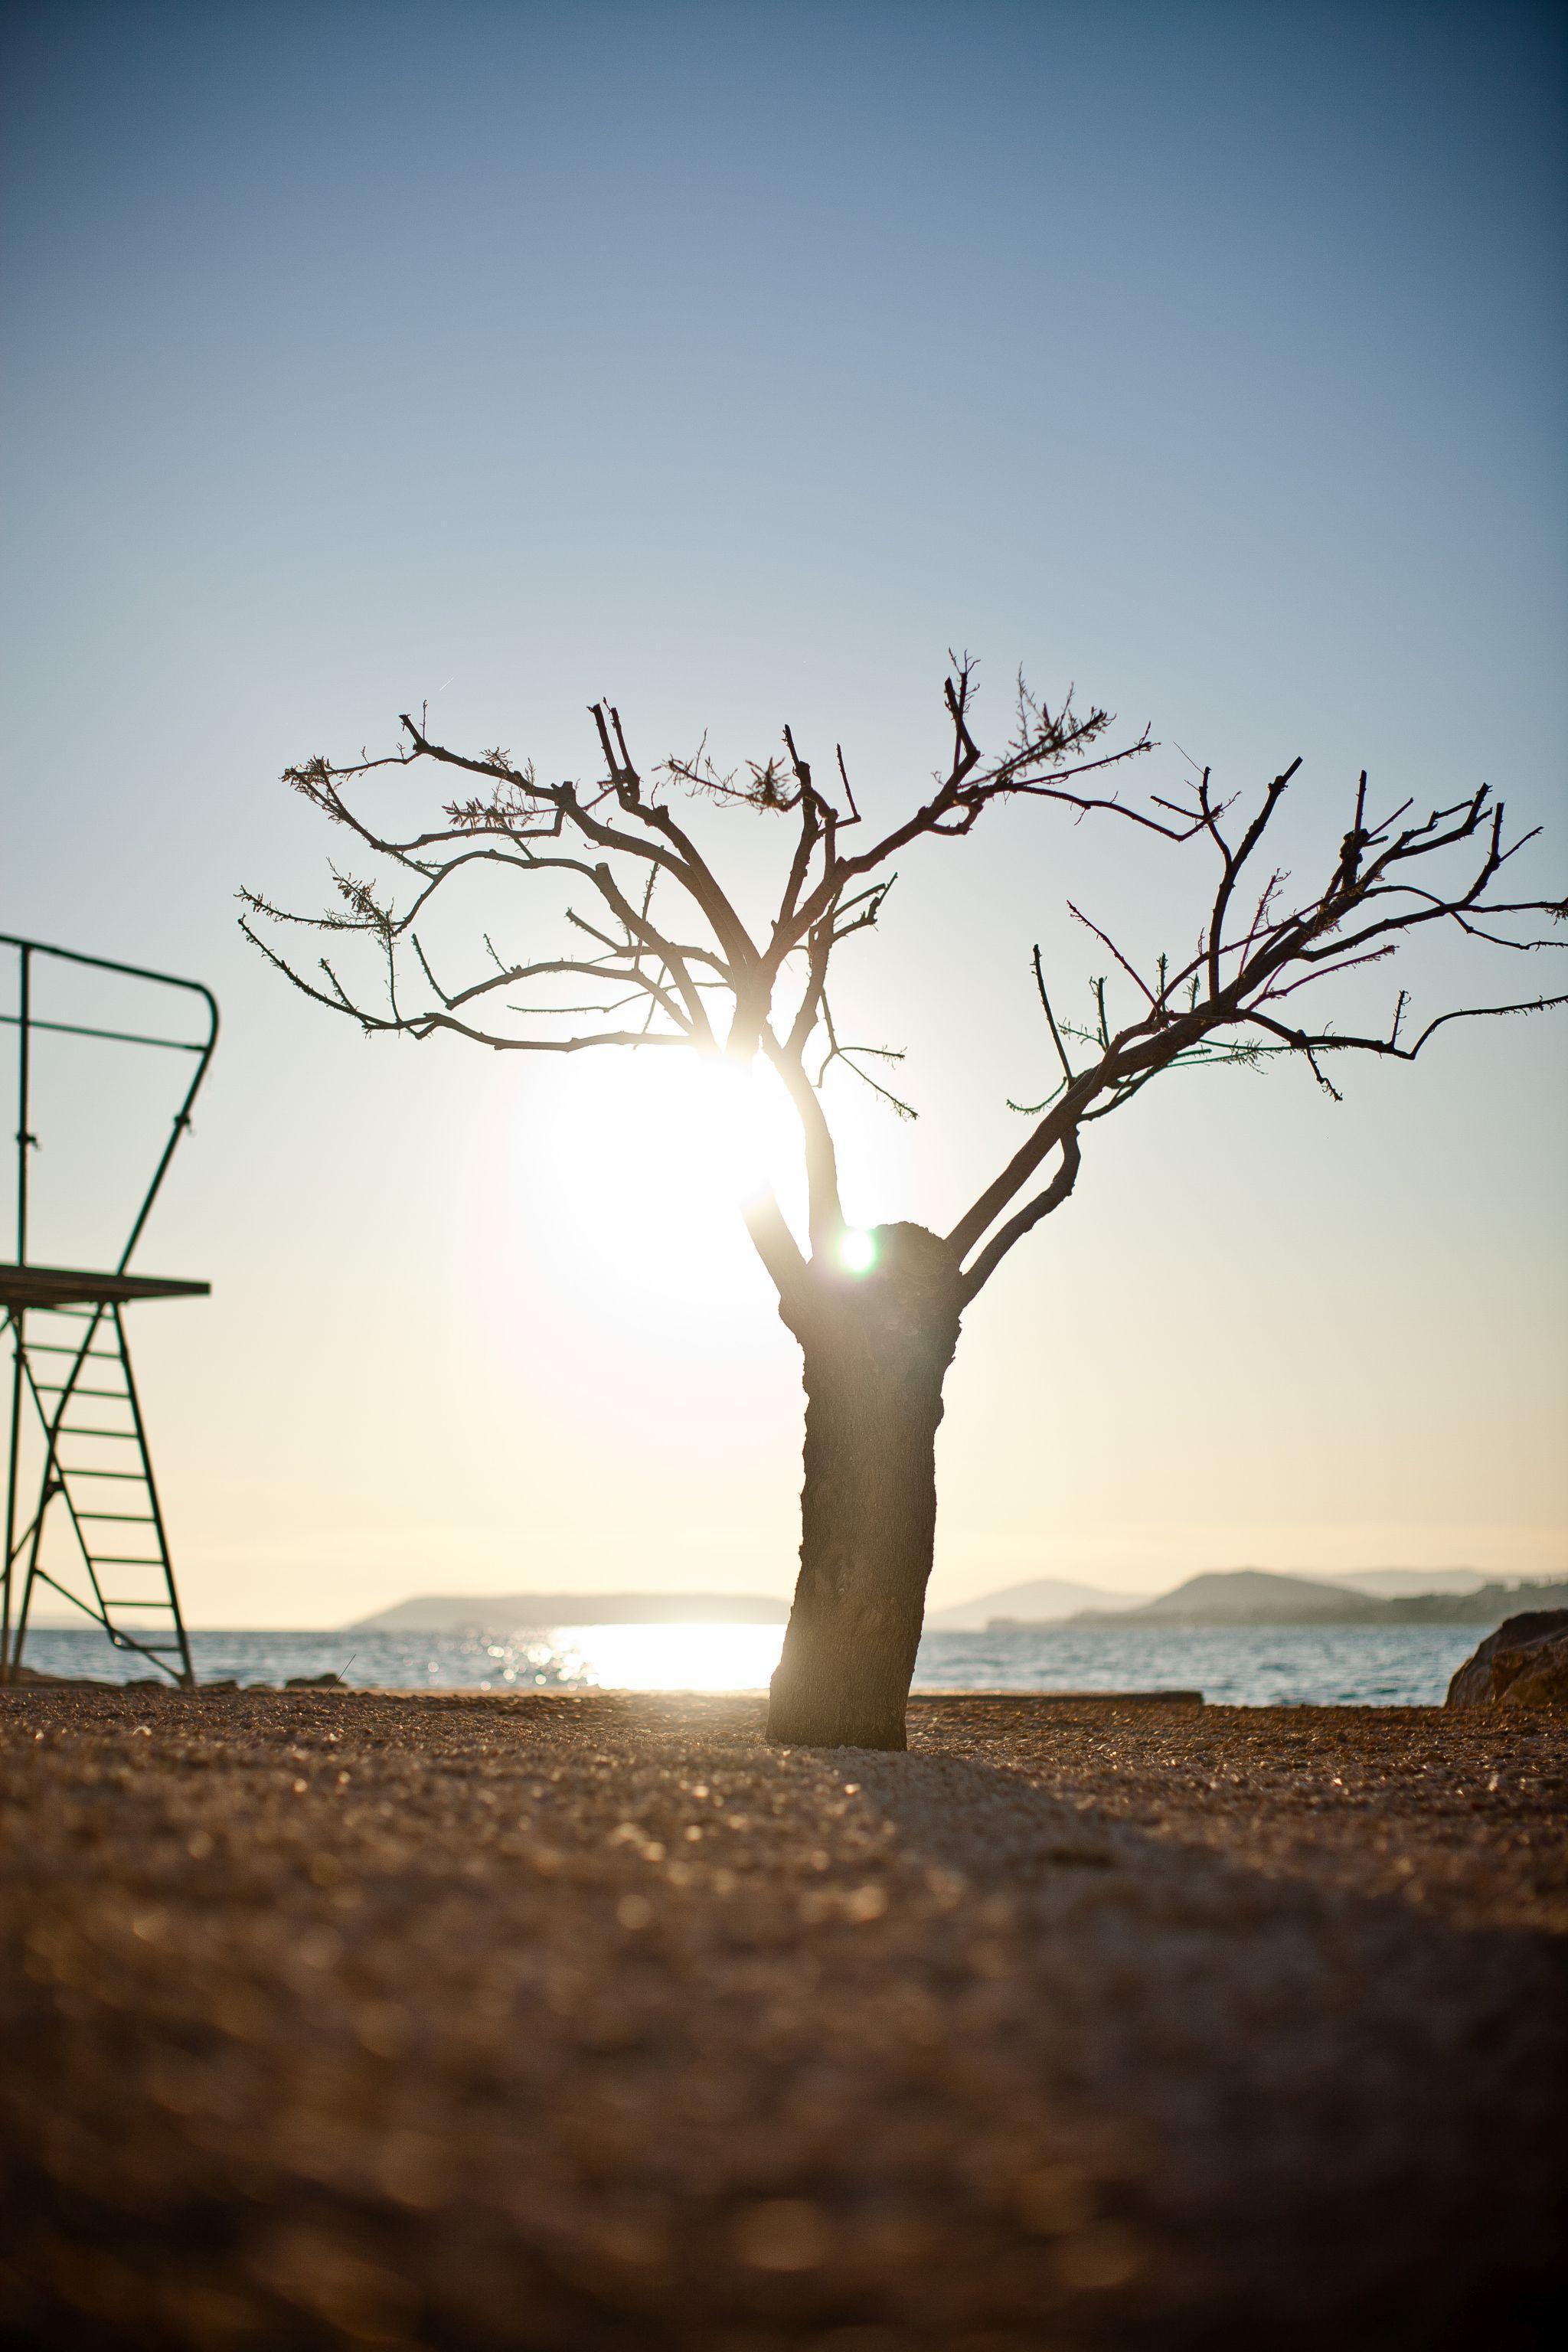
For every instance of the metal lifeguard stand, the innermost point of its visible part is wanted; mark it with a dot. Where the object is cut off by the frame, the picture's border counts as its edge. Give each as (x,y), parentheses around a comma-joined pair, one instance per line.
(71,1369)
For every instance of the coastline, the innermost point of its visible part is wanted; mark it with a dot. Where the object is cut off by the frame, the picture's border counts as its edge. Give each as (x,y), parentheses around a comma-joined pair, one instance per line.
(426,2019)
(1244,1665)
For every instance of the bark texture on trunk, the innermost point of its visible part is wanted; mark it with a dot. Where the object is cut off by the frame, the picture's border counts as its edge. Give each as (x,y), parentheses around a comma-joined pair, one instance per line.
(877,1349)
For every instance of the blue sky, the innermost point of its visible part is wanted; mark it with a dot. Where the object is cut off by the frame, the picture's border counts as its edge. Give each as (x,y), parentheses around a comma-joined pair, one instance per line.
(738,361)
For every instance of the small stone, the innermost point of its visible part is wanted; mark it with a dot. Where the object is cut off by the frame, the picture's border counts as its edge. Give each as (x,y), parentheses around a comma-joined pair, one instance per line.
(785,2233)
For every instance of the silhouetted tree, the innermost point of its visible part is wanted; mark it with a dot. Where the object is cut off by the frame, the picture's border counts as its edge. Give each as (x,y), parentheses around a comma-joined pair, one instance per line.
(666,961)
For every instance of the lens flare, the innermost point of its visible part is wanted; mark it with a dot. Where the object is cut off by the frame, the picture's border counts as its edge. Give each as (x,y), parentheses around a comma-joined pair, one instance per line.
(857,1251)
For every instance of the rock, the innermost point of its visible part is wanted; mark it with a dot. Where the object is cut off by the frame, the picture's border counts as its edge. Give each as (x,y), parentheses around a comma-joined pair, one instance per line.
(1543,1679)
(1524,1663)
(315,1682)
(33,1679)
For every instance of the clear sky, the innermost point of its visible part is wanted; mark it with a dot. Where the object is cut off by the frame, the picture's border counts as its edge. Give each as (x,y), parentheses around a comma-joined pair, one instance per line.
(737,361)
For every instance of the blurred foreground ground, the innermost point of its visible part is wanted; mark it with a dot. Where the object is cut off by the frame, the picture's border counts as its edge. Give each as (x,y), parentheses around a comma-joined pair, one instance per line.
(551,2022)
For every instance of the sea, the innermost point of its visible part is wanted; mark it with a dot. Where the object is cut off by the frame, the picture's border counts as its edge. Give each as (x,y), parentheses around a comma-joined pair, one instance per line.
(1289,1665)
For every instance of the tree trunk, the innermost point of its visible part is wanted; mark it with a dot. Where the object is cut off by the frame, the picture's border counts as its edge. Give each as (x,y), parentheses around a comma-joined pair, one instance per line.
(877,1349)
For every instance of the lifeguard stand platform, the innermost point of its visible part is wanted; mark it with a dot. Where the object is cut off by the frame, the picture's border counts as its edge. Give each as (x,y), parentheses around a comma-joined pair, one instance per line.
(78,1450)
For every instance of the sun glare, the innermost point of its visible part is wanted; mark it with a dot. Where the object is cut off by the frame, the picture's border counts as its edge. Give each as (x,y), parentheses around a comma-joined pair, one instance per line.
(696,1124)
(741,1123)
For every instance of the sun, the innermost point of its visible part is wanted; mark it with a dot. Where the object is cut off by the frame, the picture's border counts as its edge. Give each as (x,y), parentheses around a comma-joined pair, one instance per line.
(637,1165)
(737,1119)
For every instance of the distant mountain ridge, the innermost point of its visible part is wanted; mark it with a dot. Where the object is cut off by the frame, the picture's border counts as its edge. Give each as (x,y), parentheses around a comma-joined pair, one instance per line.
(1246,1596)
(1254,1596)
(510,1613)
(1042,1601)
(1401,1583)
(1049,1600)
(1240,1596)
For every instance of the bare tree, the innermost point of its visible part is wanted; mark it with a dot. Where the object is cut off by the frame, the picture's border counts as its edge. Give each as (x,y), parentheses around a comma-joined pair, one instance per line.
(661,958)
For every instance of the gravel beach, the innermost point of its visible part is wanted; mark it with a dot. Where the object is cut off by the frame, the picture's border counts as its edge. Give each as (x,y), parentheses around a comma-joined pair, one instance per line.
(344,2020)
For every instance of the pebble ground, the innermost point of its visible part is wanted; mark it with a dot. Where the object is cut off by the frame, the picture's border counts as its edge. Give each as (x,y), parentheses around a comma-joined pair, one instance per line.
(470,2023)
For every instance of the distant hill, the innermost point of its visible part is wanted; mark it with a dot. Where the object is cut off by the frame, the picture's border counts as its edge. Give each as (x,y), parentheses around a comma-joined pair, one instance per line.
(1255,1596)
(1259,1596)
(1402,1583)
(1045,1599)
(1488,1606)
(511,1612)
(1049,1600)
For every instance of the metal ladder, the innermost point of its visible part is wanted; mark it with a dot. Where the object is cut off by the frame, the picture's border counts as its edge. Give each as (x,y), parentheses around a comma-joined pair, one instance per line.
(77,1379)
(87,1406)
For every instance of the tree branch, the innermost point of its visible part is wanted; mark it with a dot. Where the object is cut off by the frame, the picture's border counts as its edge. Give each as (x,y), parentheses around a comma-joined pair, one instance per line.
(619,839)
(976,1276)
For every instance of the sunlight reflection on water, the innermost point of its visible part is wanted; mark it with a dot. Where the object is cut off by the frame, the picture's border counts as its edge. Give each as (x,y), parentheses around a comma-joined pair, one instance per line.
(652,1657)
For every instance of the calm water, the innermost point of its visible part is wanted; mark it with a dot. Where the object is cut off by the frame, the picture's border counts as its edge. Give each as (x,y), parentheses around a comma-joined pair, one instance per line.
(1394,1665)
